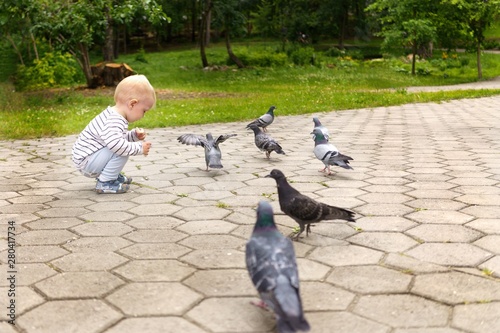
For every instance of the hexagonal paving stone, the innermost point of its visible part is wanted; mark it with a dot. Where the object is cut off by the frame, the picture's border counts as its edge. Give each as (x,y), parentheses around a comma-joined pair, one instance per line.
(486,212)
(117,216)
(334,230)
(97,244)
(320,296)
(76,316)
(384,209)
(384,198)
(25,299)
(222,282)
(384,223)
(444,233)
(328,322)
(411,265)
(477,318)
(452,254)
(79,285)
(210,242)
(231,315)
(427,330)
(207,227)
(311,270)
(40,254)
(31,273)
(102,229)
(63,212)
(150,299)
(45,237)
(384,241)
(218,258)
(155,325)
(89,261)
(488,226)
(440,216)
(154,270)
(111,206)
(490,243)
(208,213)
(491,266)
(456,287)
(54,223)
(345,255)
(155,222)
(155,209)
(156,236)
(156,198)
(155,251)
(370,279)
(402,310)
(435,204)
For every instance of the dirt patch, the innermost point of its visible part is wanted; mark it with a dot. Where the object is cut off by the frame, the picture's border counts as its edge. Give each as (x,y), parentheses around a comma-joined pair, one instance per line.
(163,94)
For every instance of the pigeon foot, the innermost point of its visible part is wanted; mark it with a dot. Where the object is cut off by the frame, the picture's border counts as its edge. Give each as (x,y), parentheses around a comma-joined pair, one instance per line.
(260,304)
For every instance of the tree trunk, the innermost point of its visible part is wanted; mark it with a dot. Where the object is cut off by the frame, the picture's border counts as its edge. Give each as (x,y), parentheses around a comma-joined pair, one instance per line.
(414,57)
(9,37)
(232,56)
(108,50)
(85,63)
(203,25)
(209,20)
(478,56)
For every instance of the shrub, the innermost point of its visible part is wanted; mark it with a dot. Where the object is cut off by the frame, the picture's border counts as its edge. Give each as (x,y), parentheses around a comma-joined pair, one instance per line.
(54,69)
(302,55)
(263,58)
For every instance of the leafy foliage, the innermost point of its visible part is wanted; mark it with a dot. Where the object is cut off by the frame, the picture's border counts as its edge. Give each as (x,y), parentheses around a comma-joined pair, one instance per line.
(53,70)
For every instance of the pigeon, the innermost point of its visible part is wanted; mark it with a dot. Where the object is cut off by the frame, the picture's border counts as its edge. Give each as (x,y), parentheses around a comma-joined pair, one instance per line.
(323,129)
(265,120)
(212,150)
(328,153)
(271,264)
(265,142)
(303,209)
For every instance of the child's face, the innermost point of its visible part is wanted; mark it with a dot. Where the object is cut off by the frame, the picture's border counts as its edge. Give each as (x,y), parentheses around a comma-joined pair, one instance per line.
(137,108)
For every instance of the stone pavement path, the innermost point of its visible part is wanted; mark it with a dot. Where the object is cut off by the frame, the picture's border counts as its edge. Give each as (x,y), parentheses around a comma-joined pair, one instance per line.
(424,255)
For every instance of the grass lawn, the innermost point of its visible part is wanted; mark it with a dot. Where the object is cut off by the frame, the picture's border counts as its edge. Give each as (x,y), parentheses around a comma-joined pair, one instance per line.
(187,94)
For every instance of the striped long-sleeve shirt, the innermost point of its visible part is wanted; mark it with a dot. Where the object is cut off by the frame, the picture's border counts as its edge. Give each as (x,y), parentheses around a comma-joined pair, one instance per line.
(107,129)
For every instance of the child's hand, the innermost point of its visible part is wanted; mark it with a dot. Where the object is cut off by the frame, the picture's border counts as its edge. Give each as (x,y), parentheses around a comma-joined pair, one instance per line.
(145,147)
(141,133)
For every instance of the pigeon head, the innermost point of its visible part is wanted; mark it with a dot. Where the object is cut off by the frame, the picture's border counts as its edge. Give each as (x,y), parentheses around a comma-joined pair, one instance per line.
(265,216)
(318,135)
(209,137)
(316,121)
(271,109)
(276,174)
(254,128)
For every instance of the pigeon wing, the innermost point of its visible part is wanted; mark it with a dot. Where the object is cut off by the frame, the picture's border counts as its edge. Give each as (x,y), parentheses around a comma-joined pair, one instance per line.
(193,140)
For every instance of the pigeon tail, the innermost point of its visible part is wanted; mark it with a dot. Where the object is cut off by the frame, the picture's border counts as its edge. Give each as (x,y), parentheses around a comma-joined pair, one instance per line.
(289,307)
(332,213)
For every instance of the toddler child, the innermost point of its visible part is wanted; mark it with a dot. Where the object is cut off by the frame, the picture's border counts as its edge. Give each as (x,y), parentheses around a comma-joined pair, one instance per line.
(103,147)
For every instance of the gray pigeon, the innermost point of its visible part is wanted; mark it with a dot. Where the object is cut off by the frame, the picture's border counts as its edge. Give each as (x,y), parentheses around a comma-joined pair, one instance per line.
(323,129)
(265,120)
(272,266)
(303,209)
(328,153)
(212,150)
(265,142)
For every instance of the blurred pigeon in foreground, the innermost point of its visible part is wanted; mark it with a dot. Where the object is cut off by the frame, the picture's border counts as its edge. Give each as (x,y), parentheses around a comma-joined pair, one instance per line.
(212,150)
(272,266)
(323,129)
(328,153)
(266,143)
(265,120)
(303,209)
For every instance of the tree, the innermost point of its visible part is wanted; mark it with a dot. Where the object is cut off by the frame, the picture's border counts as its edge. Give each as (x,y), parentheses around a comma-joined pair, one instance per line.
(471,19)
(228,18)
(406,23)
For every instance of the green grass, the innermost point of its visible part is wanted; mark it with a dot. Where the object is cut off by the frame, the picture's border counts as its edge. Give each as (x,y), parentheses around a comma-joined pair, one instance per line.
(189,95)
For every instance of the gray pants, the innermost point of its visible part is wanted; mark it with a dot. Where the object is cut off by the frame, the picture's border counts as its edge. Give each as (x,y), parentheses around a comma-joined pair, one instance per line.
(104,165)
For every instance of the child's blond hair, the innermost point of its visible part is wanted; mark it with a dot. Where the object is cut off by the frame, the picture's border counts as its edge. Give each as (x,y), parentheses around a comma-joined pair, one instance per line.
(134,87)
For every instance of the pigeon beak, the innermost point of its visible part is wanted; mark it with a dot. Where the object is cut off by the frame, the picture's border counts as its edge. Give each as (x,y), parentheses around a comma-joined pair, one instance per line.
(267,176)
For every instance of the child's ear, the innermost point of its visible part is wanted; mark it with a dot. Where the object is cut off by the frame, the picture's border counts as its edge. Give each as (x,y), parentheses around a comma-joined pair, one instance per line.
(132,102)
